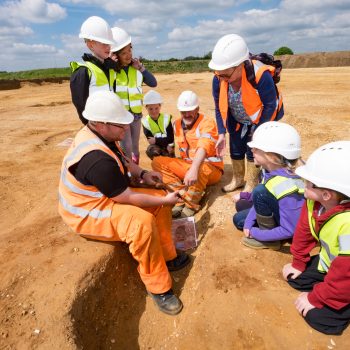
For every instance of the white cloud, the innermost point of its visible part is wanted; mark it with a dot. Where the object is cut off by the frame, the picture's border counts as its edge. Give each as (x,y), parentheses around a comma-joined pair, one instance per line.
(31,11)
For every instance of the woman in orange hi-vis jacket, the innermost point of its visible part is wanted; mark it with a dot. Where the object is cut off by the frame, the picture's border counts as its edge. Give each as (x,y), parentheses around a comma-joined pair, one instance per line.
(239,106)
(95,199)
(195,136)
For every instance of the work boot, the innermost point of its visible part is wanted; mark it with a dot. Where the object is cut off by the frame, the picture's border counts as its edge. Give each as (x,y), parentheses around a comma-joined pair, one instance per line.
(253,243)
(187,212)
(264,223)
(167,302)
(252,177)
(237,176)
(179,262)
(177,210)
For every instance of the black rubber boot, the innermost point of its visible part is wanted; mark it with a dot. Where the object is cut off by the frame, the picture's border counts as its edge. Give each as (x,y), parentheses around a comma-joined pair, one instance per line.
(167,302)
(265,222)
(179,262)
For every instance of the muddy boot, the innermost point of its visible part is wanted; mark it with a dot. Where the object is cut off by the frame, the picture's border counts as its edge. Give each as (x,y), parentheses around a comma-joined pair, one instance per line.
(177,210)
(252,177)
(182,260)
(237,176)
(167,302)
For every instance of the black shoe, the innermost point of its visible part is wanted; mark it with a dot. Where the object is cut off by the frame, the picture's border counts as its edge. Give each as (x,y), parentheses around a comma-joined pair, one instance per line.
(179,262)
(167,302)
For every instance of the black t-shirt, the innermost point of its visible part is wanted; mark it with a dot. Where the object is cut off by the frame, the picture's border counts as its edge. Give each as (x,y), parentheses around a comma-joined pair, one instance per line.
(99,169)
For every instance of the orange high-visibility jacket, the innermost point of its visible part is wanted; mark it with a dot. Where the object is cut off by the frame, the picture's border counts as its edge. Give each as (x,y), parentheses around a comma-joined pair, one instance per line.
(250,96)
(84,208)
(203,134)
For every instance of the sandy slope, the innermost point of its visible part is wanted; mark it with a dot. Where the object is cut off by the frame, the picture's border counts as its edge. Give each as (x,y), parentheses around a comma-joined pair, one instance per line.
(85,294)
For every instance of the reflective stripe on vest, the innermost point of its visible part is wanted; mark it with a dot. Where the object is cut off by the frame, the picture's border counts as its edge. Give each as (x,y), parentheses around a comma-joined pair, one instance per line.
(333,235)
(186,152)
(250,97)
(157,127)
(98,79)
(129,89)
(281,186)
(83,207)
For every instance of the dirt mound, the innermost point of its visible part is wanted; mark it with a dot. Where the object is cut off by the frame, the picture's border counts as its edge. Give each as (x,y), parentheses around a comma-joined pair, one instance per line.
(316,60)
(60,291)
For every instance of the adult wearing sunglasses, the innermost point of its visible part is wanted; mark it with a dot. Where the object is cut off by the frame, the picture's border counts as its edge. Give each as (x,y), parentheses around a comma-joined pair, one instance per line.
(240,107)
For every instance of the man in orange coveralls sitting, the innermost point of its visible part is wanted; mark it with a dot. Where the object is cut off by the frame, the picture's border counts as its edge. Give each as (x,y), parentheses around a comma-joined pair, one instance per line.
(198,166)
(95,199)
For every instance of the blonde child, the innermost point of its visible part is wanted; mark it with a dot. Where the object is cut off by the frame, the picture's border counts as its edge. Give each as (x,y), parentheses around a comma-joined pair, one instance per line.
(324,279)
(277,201)
(157,127)
(97,71)
(129,78)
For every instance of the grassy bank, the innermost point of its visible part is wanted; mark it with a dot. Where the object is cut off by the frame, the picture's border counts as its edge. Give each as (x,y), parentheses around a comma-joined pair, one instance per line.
(155,67)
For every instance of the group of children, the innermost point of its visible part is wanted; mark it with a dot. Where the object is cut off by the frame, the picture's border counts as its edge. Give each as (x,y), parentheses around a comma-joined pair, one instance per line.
(305,205)
(111,66)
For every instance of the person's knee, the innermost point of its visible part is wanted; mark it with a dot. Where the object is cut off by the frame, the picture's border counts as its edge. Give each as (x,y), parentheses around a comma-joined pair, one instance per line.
(315,319)
(238,221)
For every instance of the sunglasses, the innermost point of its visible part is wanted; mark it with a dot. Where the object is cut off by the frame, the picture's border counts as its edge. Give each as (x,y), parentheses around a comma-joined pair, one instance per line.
(226,76)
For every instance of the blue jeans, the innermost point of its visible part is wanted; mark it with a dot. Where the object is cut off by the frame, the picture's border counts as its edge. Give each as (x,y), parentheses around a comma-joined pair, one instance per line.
(264,203)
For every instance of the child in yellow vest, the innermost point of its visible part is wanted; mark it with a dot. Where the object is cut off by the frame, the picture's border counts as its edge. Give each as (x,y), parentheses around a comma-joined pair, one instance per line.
(130,75)
(157,127)
(324,278)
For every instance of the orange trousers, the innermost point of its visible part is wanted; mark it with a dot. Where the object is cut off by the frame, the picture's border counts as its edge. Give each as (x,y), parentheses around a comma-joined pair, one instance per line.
(175,169)
(147,231)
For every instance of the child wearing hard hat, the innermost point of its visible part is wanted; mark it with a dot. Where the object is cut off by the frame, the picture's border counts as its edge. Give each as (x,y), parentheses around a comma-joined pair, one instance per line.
(324,278)
(96,72)
(130,75)
(157,127)
(277,201)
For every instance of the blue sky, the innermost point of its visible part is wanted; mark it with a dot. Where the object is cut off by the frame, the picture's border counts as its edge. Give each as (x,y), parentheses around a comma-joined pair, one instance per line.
(44,34)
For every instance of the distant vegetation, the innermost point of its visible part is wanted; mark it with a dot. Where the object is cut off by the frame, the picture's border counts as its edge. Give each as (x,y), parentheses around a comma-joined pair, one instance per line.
(190,64)
(283,50)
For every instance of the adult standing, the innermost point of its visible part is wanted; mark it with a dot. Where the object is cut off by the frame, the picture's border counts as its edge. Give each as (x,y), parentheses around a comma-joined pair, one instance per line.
(95,199)
(240,105)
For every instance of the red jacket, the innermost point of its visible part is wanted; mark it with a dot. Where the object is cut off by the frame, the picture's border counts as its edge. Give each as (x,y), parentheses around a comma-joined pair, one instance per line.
(334,291)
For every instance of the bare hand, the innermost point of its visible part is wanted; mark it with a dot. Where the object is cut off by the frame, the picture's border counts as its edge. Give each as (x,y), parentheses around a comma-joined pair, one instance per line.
(135,62)
(151,140)
(170,149)
(246,232)
(236,197)
(152,177)
(172,198)
(289,270)
(221,146)
(302,304)
(191,177)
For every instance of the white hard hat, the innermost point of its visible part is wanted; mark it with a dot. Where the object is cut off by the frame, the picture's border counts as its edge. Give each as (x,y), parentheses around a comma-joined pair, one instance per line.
(152,97)
(106,107)
(277,137)
(96,28)
(329,167)
(230,51)
(121,38)
(187,101)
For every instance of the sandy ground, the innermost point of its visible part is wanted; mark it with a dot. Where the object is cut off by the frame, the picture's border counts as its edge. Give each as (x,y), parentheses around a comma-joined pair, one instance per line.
(60,291)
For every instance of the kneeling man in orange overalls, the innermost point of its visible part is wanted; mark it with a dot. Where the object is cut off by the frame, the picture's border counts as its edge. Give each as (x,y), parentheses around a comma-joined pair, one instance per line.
(198,165)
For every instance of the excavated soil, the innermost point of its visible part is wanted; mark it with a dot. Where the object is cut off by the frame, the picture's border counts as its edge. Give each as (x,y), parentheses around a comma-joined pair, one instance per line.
(60,291)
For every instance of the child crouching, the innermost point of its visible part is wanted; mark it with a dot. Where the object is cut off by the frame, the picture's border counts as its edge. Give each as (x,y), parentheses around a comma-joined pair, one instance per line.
(277,201)
(324,279)
(157,127)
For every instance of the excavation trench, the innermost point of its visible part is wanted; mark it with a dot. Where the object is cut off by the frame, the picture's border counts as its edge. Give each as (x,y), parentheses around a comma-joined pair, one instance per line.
(111,299)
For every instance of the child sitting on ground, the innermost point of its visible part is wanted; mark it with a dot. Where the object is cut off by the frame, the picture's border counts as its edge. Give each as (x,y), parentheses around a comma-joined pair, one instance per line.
(277,201)
(324,279)
(157,127)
